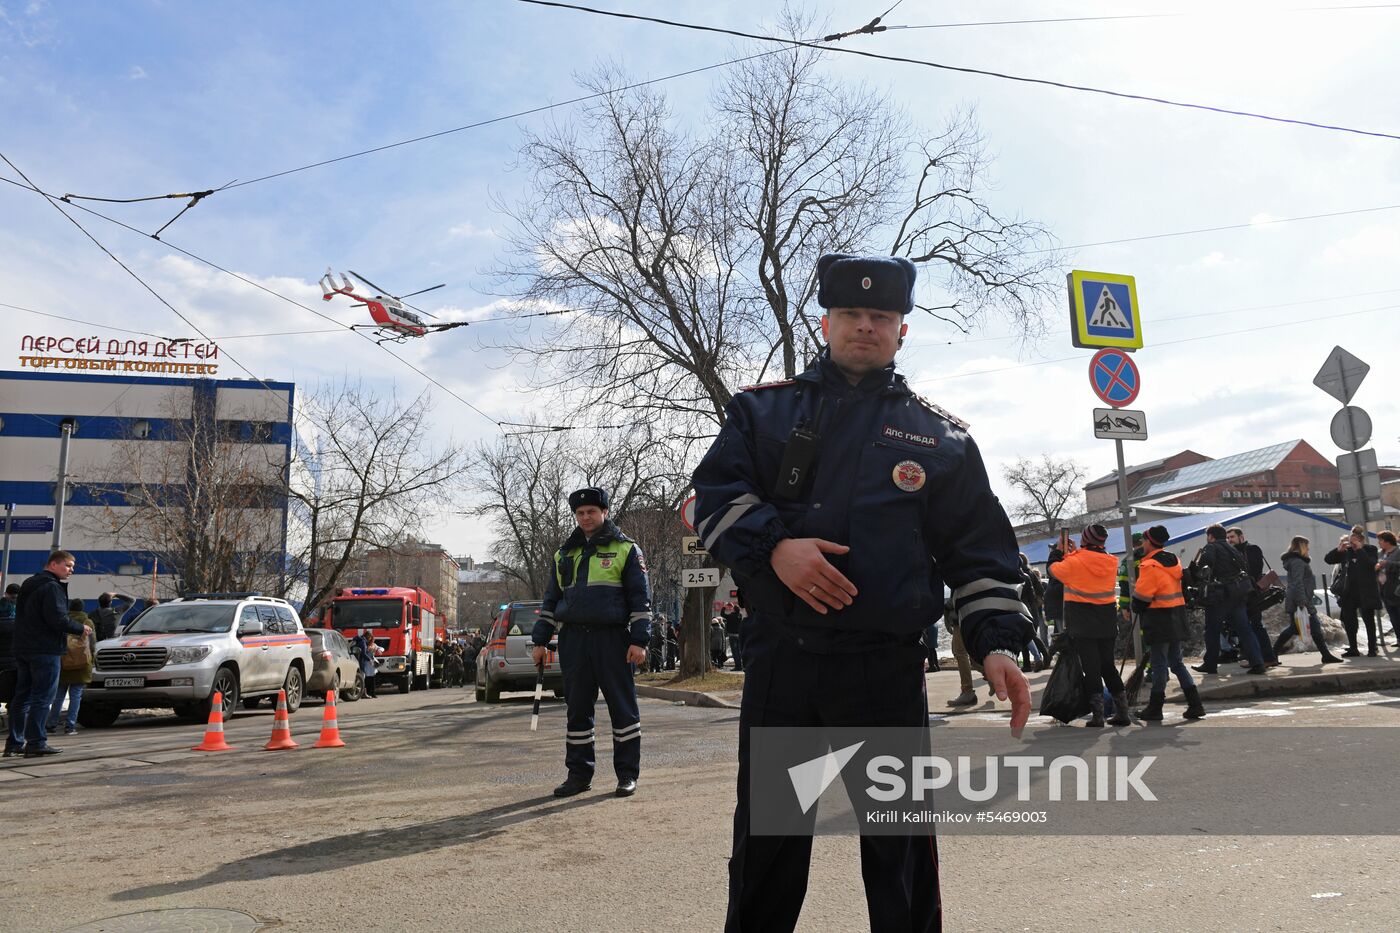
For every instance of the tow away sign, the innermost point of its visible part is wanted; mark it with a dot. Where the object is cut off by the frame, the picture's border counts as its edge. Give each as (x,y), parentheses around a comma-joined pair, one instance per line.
(1120,424)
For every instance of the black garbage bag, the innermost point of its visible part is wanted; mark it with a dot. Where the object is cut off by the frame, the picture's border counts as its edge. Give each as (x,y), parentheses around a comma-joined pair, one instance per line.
(1065,698)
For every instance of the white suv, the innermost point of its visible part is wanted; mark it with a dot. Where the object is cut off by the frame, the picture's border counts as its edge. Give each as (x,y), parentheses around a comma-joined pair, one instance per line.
(180,653)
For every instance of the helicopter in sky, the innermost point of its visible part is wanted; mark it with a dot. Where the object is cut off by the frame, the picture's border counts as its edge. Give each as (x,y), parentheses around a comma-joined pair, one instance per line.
(392,315)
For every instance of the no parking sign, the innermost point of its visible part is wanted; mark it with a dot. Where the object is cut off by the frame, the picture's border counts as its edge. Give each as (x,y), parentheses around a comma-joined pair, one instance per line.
(1115,378)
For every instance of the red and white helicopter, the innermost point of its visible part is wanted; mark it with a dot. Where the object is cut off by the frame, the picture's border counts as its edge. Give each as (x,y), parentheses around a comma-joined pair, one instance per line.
(391,313)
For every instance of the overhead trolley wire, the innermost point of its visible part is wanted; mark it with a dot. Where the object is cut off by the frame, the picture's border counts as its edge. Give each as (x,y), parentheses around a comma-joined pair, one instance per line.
(340,325)
(1003,76)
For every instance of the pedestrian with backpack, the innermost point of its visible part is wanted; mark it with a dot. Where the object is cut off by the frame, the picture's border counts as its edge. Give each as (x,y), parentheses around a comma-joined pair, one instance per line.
(74,670)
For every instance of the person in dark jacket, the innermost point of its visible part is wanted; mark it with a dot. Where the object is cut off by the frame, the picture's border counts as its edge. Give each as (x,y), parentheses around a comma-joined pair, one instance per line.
(1225,600)
(718,643)
(1160,602)
(656,648)
(842,503)
(1388,577)
(41,627)
(1298,594)
(1254,564)
(73,679)
(599,601)
(733,626)
(110,608)
(1361,594)
(7,656)
(364,648)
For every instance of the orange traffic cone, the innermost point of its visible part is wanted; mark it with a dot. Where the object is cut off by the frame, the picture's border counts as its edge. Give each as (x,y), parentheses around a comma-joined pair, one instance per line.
(214,733)
(330,727)
(281,726)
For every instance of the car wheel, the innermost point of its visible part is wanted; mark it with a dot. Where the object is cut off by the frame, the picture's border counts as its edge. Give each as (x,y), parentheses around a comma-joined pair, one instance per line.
(480,695)
(97,716)
(335,684)
(493,693)
(353,693)
(295,685)
(226,683)
(248,702)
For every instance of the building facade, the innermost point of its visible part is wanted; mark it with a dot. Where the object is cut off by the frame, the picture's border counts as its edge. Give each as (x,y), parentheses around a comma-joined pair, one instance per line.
(166,477)
(413,563)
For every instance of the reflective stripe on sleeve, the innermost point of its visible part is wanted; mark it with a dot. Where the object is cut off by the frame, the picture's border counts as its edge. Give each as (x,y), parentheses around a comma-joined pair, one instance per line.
(638,616)
(1106,595)
(993,602)
(720,522)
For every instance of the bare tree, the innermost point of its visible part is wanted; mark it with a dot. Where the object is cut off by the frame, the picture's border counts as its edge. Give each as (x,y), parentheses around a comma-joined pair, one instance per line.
(687,257)
(1049,489)
(365,476)
(523,483)
(203,498)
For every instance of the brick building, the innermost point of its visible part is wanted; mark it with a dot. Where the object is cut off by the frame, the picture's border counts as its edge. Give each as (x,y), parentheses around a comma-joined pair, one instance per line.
(413,563)
(1292,473)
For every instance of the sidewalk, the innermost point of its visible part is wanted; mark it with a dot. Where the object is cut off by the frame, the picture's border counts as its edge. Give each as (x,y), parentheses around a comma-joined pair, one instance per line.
(1297,675)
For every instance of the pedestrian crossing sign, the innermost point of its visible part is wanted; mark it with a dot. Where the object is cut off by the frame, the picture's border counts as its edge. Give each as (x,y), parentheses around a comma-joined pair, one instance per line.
(1104,311)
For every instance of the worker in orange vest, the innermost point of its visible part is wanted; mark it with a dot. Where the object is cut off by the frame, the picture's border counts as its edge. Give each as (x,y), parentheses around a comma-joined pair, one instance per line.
(1160,602)
(1090,578)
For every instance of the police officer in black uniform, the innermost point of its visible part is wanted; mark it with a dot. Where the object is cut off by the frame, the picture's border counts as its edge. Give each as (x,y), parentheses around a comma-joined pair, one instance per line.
(843,502)
(599,600)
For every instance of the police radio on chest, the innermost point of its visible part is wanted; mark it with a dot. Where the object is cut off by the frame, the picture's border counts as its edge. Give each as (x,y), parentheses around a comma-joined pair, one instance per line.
(799,457)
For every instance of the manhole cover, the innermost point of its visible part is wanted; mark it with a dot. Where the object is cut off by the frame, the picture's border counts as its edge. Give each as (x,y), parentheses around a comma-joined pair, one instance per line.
(174,920)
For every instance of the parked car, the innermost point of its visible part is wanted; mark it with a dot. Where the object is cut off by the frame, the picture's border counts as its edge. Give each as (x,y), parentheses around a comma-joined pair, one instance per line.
(505,663)
(180,653)
(335,668)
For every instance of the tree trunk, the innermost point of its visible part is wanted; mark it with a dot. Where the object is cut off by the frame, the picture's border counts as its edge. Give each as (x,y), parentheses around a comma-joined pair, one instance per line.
(695,629)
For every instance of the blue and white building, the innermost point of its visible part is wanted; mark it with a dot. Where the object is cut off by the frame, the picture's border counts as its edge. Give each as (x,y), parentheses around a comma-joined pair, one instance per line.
(115,417)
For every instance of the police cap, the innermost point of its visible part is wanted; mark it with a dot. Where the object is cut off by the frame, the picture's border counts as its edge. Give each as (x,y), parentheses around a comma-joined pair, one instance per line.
(884,283)
(589,495)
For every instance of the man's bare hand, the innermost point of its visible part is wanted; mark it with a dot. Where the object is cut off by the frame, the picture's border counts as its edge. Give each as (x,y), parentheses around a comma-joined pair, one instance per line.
(636,655)
(1008,681)
(800,564)
(540,655)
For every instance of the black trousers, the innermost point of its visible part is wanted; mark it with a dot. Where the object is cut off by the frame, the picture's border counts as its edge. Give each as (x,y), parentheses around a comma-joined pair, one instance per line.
(786,686)
(1349,613)
(1096,654)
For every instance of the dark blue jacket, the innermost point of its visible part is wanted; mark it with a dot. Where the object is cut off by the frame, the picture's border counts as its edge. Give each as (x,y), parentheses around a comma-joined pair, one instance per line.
(897,479)
(615,598)
(41,617)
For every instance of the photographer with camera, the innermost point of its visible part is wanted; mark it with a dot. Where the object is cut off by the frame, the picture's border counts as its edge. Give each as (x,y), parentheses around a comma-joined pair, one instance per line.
(1222,571)
(1360,592)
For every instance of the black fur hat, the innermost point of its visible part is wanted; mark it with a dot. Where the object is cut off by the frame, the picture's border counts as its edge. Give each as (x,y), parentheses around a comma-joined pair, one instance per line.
(885,283)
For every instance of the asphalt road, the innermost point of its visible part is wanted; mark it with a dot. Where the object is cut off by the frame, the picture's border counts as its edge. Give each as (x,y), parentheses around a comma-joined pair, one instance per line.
(438,816)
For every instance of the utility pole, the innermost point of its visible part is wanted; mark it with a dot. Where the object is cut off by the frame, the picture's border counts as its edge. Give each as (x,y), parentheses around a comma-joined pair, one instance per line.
(5,566)
(61,494)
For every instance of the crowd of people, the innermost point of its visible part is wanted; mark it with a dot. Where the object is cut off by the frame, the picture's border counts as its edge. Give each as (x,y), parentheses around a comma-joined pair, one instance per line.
(1085,601)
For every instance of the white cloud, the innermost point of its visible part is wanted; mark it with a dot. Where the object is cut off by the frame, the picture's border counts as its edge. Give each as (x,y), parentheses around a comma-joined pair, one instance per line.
(1214,260)
(1371,243)
(136,73)
(466,229)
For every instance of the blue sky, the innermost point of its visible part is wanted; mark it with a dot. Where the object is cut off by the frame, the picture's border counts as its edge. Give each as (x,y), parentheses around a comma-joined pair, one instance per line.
(136,98)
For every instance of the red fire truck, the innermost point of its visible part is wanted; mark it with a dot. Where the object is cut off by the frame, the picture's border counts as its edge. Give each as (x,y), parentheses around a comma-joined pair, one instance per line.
(401,620)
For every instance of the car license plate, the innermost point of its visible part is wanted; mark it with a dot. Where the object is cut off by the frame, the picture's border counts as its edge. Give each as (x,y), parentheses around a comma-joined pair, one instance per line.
(125,682)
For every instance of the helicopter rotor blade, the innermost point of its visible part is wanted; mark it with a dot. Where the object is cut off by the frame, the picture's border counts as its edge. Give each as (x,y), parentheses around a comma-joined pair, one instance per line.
(381,290)
(421,291)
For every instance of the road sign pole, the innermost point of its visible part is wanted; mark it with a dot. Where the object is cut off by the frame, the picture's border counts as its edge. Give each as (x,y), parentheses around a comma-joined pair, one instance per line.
(1128,542)
(5,566)
(62,493)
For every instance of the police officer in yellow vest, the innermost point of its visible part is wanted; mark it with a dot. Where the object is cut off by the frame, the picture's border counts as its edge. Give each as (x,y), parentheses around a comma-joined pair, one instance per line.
(599,600)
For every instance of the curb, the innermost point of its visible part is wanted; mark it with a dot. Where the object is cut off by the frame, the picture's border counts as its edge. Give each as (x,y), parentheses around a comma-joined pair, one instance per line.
(1341,682)
(688,697)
